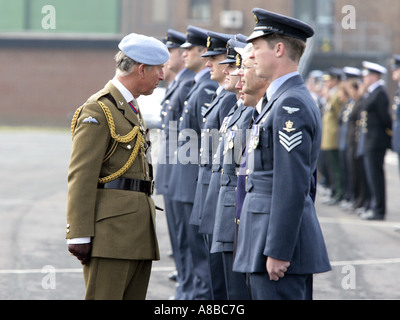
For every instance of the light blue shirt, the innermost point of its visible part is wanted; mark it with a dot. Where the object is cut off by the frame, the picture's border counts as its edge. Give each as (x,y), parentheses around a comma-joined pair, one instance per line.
(201,73)
(275,85)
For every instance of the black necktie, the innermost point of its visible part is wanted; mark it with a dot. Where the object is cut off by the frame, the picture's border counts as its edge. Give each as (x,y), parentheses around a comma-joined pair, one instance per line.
(254,117)
(264,102)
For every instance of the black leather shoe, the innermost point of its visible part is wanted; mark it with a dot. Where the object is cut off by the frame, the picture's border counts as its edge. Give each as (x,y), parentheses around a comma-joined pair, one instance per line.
(173,276)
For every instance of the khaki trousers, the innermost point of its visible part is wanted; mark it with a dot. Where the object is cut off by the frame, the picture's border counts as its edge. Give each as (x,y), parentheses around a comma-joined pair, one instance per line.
(116,279)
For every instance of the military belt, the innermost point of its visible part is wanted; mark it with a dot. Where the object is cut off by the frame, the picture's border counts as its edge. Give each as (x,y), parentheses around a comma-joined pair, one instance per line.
(228,179)
(259,186)
(129,184)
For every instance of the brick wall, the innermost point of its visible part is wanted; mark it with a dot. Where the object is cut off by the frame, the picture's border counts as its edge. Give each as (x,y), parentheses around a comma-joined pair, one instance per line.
(45,86)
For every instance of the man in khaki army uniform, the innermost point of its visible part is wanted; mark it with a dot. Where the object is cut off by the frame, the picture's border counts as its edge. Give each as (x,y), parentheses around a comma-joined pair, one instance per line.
(329,140)
(110,214)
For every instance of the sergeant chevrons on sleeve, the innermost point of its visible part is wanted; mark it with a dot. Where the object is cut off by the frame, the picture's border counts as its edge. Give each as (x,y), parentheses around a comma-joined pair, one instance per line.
(289,142)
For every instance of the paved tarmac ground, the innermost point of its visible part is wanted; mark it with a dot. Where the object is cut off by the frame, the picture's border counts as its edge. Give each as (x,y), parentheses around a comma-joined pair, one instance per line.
(35,263)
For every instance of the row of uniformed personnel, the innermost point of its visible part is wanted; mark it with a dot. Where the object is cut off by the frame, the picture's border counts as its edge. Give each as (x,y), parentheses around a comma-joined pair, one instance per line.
(244,227)
(357,130)
(214,178)
(200,104)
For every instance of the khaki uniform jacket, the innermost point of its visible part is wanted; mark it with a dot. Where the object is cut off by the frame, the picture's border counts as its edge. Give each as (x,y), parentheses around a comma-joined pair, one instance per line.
(120,222)
(330,123)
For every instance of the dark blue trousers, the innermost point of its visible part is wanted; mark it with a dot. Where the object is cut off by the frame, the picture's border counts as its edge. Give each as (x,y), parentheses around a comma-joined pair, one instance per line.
(216,269)
(290,287)
(197,254)
(181,250)
(236,287)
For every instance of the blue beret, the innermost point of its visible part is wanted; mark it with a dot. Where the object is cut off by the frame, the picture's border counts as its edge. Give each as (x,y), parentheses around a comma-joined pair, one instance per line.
(174,39)
(195,36)
(268,22)
(217,43)
(143,49)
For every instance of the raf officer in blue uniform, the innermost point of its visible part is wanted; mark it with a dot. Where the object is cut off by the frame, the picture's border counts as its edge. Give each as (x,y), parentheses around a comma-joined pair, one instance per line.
(185,170)
(395,65)
(234,137)
(214,115)
(172,106)
(280,243)
(206,217)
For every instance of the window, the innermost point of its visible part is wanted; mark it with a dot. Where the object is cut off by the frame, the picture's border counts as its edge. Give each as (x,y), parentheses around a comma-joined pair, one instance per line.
(200,10)
(160,11)
(319,13)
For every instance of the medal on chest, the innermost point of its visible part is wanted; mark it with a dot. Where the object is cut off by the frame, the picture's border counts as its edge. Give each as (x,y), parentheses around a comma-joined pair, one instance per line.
(254,136)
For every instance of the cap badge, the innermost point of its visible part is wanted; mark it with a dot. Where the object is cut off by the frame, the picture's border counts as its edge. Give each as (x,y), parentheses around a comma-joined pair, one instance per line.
(238,60)
(208,42)
(255,17)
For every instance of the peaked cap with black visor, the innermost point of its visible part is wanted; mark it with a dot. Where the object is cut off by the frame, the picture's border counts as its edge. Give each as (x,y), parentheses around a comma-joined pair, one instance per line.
(268,22)
(174,39)
(195,36)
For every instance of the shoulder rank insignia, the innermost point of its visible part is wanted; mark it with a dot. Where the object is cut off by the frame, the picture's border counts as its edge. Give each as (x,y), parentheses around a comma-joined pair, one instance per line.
(290,142)
(90,120)
(289,126)
(291,110)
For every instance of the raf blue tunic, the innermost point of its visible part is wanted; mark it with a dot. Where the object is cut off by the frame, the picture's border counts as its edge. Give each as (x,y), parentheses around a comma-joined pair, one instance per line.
(278,217)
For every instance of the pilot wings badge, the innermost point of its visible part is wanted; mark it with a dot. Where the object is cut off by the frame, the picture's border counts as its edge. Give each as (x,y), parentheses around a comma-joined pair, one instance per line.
(290,110)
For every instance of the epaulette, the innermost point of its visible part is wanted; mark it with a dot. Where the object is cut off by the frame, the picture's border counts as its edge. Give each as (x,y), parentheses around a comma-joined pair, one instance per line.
(92,99)
(95,97)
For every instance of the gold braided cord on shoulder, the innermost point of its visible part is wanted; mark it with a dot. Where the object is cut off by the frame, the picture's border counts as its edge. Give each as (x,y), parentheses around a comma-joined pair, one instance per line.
(74,119)
(122,139)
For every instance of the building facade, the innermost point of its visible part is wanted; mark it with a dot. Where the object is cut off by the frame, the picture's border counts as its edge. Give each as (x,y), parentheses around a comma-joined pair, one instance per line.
(55,53)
